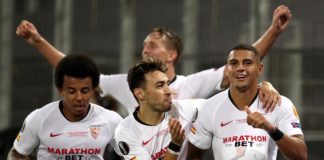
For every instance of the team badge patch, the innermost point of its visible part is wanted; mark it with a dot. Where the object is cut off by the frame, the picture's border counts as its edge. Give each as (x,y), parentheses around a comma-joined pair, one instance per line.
(94,132)
(295,125)
(124,148)
(23,127)
(295,112)
(18,137)
(194,118)
(193,130)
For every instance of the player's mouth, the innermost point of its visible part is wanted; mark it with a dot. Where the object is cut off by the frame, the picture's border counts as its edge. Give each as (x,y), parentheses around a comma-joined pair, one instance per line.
(168,100)
(80,107)
(241,76)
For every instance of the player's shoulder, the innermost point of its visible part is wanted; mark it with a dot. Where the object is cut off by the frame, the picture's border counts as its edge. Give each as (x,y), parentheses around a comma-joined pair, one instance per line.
(187,105)
(41,114)
(187,102)
(108,114)
(128,122)
(126,126)
(114,76)
(178,79)
(218,98)
(47,109)
(285,100)
(286,104)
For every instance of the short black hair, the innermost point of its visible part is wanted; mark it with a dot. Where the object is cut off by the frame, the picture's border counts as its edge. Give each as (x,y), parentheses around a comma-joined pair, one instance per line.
(245,46)
(76,65)
(136,74)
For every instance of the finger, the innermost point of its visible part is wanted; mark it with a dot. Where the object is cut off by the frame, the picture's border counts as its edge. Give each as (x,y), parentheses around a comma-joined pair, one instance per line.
(261,96)
(270,102)
(247,109)
(17,31)
(265,102)
(176,127)
(171,124)
(29,26)
(274,103)
(20,32)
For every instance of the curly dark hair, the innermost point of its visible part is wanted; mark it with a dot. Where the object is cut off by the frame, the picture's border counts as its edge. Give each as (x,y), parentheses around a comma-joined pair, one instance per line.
(77,65)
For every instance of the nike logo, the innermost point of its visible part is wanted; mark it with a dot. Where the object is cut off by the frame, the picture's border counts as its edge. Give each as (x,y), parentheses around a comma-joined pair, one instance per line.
(55,135)
(160,133)
(146,142)
(224,124)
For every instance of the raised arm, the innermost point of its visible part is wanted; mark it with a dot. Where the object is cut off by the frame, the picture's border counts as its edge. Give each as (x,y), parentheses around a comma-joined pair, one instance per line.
(280,20)
(28,31)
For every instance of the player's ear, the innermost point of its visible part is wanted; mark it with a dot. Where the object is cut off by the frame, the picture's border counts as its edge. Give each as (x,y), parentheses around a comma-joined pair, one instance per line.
(260,70)
(172,55)
(139,93)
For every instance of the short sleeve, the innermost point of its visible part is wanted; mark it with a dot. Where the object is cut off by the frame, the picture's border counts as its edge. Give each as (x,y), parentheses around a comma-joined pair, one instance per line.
(128,148)
(201,132)
(117,87)
(288,120)
(206,82)
(27,139)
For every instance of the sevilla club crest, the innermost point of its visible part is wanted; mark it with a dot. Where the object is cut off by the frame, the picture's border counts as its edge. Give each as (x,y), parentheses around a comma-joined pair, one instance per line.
(94,132)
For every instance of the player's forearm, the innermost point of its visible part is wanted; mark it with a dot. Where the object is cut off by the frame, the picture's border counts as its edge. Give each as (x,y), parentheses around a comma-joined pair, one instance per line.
(194,153)
(170,156)
(52,55)
(293,147)
(264,43)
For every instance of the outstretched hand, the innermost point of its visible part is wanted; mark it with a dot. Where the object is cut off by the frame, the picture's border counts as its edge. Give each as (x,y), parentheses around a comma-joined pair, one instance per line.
(28,31)
(177,133)
(281,18)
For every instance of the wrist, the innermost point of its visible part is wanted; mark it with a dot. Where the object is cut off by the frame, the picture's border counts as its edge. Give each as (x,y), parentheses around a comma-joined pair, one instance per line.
(274,31)
(272,129)
(174,148)
(276,135)
(38,41)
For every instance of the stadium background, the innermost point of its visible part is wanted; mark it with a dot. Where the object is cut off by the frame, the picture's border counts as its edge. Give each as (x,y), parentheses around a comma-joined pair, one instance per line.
(112,32)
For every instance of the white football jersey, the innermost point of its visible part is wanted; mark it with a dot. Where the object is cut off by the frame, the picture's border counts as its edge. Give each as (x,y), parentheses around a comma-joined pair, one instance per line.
(57,138)
(223,126)
(198,85)
(137,140)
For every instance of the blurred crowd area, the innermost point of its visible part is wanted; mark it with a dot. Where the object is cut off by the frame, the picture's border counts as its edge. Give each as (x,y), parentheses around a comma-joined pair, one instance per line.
(112,32)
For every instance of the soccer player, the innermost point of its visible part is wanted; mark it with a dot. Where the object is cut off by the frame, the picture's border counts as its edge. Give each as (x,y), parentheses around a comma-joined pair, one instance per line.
(167,47)
(71,128)
(235,124)
(145,134)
